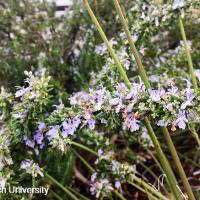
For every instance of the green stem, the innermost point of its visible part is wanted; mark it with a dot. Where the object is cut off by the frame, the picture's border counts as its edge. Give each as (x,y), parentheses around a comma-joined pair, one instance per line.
(71,195)
(191,70)
(142,190)
(187,51)
(147,169)
(195,86)
(148,187)
(78,194)
(118,195)
(189,160)
(156,161)
(84,161)
(164,162)
(132,45)
(33,181)
(152,173)
(111,51)
(56,195)
(84,147)
(194,133)
(178,164)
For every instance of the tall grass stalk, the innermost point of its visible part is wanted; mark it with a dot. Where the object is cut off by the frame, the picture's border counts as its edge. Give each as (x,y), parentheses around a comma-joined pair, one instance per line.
(121,70)
(78,194)
(147,84)
(169,173)
(56,195)
(141,184)
(144,191)
(71,195)
(118,195)
(84,147)
(187,51)
(191,71)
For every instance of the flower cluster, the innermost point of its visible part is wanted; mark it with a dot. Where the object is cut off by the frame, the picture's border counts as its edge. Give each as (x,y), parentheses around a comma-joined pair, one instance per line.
(36,91)
(168,107)
(31,168)
(38,140)
(116,173)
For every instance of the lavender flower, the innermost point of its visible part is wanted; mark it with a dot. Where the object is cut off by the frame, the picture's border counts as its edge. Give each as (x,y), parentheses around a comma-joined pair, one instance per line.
(162,123)
(31,168)
(181,120)
(101,187)
(100,152)
(70,126)
(154,95)
(22,91)
(28,142)
(117,184)
(99,97)
(41,126)
(79,98)
(131,123)
(101,49)
(173,91)
(134,37)
(91,123)
(177,4)
(169,107)
(188,102)
(38,137)
(53,132)
(60,106)
(93,177)
(114,101)
(114,165)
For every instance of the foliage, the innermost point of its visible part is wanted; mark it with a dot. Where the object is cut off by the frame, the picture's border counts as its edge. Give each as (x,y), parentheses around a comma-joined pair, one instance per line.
(44,130)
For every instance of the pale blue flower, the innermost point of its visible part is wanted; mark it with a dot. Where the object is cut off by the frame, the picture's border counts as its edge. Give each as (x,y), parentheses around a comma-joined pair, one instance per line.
(93,177)
(190,97)
(117,184)
(91,123)
(53,132)
(131,123)
(38,137)
(114,165)
(100,152)
(181,120)
(177,4)
(41,126)
(154,95)
(134,37)
(28,142)
(162,123)
(22,91)
(173,91)
(114,101)
(169,107)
